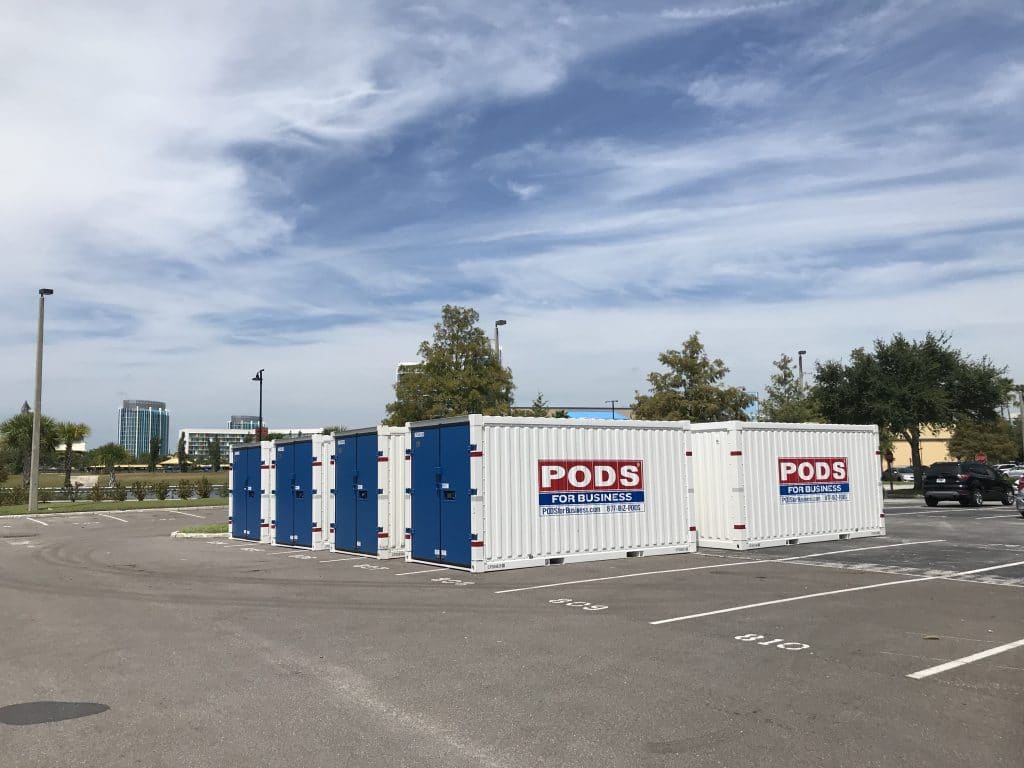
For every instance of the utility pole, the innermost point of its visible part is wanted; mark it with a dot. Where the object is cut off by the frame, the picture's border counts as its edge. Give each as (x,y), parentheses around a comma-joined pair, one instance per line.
(1020,412)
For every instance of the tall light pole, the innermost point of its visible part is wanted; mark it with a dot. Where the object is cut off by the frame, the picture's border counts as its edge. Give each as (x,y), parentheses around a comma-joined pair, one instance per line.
(612,404)
(1020,403)
(259,377)
(33,483)
(497,338)
(800,367)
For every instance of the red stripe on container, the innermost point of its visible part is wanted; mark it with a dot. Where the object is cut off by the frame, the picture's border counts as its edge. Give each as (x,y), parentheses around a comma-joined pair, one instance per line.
(689,453)
(408,535)
(740,527)
(882,515)
(476,454)
(264,525)
(317,530)
(693,528)
(476,543)
(382,535)
(735,453)
(382,458)
(317,463)
(264,466)
(408,458)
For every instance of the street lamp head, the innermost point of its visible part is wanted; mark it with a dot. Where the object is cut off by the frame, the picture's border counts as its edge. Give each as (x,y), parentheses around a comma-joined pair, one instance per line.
(259,375)
(46,291)
(501,322)
(802,352)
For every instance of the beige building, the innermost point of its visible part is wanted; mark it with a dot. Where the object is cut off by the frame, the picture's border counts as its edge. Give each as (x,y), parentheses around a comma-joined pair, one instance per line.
(934,447)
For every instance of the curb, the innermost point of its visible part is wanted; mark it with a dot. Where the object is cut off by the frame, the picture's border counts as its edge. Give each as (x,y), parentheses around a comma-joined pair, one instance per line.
(119,511)
(180,535)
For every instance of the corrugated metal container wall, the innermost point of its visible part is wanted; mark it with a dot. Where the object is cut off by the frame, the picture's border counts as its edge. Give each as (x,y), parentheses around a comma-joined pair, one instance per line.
(547,491)
(297,482)
(759,484)
(354,513)
(249,497)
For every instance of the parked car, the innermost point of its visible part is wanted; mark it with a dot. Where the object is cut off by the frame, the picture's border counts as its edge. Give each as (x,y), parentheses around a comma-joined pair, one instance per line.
(968,482)
(901,474)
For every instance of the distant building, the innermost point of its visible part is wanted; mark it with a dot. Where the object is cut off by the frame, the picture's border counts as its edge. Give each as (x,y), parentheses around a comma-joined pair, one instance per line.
(622,413)
(197,439)
(140,420)
(244,422)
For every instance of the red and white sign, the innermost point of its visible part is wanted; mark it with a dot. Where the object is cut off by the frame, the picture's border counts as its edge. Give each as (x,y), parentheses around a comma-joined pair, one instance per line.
(832,469)
(981,457)
(556,475)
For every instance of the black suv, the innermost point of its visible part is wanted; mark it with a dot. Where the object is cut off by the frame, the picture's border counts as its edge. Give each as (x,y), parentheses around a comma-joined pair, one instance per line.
(968,482)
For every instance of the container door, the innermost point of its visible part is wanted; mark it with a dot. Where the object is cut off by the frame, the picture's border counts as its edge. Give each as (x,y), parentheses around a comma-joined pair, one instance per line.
(345,474)
(425,508)
(302,490)
(239,490)
(254,493)
(454,494)
(284,494)
(366,495)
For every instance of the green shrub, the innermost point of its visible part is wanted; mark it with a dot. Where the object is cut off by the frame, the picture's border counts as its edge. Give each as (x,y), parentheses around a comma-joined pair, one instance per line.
(73,491)
(120,491)
(203,488)
(139,490)
(45,495)
(185,489)
(161,489)
(96,492)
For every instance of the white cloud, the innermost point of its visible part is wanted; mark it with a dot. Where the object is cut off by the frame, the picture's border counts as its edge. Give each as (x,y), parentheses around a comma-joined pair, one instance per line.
(717,91)
(524,191)
(1004,88)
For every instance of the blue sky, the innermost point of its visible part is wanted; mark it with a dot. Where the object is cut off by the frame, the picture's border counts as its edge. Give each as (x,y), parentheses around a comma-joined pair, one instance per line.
(213,188)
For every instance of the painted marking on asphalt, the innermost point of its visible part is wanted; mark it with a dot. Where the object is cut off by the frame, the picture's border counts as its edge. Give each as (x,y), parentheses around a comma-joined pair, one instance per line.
(36,521)
(342,559)
(112,517)
(992,517)
(829,593)
(413,573)
(185,513)
(965,660)
(716,565)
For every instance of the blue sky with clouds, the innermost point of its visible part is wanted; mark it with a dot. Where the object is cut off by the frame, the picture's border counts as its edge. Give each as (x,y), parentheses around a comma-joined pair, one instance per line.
(213,188)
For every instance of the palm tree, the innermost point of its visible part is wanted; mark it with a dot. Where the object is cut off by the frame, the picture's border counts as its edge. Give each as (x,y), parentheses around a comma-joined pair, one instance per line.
(16,438)
(110,455)
(69,433)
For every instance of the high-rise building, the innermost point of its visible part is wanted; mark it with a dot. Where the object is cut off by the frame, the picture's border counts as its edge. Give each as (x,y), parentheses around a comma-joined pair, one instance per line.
(140,420)
(197,440)
(244,422)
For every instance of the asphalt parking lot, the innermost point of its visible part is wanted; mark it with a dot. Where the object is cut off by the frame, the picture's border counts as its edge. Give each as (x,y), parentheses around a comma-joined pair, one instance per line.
(120,646)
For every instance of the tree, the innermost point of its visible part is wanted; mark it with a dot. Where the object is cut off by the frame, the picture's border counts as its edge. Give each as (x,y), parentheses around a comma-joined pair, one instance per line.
(182,456)
(691,389)
(69,433)
(16,442)
(786,399)
(110,455)
(539,406)
(154,453)
(998,439)
(904,386)
(215,454)
(458,373)
(331,429)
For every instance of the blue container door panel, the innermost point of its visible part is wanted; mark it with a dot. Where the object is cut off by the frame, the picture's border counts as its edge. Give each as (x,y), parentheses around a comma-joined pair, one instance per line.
(345,473)
(302,489)
(425,509)
(284,495)
(240,487)
(366,494)
(253,496)
(454,494)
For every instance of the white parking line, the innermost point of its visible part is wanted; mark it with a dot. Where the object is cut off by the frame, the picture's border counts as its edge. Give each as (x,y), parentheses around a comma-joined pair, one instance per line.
(343,559)
(36,521)
(990,517)
(184,513)
(831,592)
(112,517)
(965,660)
(413,573)
(716,565)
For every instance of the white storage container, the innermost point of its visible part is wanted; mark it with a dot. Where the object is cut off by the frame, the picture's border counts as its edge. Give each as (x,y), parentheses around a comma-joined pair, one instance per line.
(759,484)
(249,497)
(298,510)
(367,506)
(491,492)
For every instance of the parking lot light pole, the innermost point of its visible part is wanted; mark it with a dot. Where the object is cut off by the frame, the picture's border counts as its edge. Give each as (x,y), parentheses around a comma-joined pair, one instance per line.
(612,404)
(259,377)
(497,339)
(800,367)
(33,483)
(1020,412)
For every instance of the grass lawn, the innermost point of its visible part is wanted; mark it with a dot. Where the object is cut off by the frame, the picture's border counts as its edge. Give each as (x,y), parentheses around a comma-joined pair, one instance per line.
(215,528)
(111,506)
